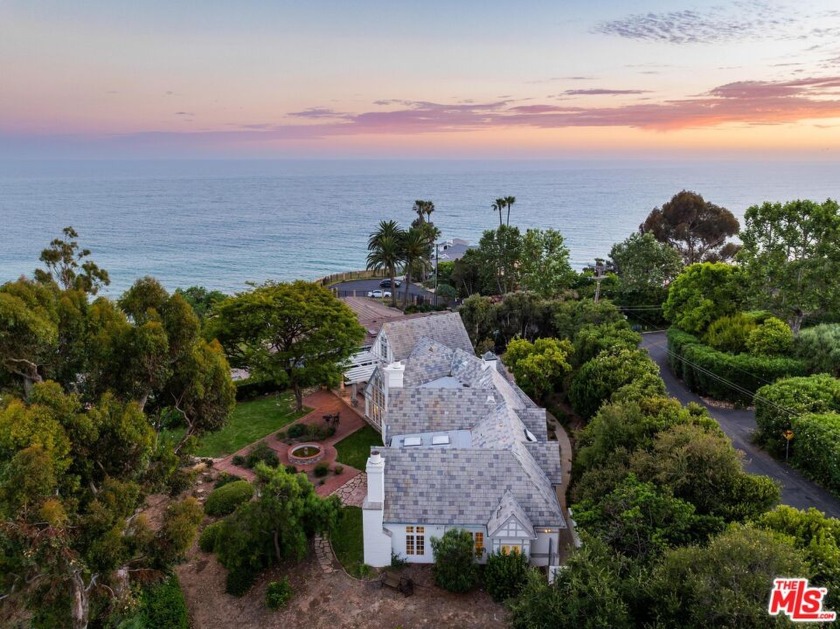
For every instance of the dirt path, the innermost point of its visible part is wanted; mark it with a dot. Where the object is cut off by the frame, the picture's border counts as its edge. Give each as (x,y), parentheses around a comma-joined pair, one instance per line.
(330,601)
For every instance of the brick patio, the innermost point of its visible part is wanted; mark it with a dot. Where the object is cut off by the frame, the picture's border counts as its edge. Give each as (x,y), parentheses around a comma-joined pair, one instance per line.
(323,403)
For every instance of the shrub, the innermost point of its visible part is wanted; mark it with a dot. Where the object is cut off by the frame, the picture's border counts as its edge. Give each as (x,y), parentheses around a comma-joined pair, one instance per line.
(321,470)
(777,404)
(291,469)
(771,338)
(262,453)
(701,293)
(225,499)
(278,594)
(163,605)
(282,435)
(224,479)
(180,481)
(505,575)
(816,448)
(238,459)
(819,347)
(591,340)
(455,568)
(730,333)
(296,430)
(207,541)
(239,580)
(338,469)
(180,524)
(710,372)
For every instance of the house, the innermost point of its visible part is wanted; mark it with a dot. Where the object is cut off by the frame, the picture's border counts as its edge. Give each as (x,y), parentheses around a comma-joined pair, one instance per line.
(451,250)
(463,448)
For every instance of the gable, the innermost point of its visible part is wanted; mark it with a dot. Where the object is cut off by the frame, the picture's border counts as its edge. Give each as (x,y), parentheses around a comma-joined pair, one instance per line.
(512,528)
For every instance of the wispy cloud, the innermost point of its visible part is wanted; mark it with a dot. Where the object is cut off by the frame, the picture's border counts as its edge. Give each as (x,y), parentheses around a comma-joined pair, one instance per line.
(746,20)
(603,92)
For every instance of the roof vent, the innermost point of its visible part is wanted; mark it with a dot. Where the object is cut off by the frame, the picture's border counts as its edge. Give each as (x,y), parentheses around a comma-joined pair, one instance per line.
(529,435)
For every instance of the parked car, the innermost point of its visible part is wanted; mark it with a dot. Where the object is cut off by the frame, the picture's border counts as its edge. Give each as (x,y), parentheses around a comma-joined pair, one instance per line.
(379,294)
(386,283)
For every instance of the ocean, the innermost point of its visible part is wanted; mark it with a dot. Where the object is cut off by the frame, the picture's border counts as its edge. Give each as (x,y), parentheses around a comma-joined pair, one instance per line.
(221,224)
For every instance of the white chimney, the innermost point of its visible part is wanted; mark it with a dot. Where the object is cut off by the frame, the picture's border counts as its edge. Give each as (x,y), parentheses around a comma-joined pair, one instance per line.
(393,375)
(375,478)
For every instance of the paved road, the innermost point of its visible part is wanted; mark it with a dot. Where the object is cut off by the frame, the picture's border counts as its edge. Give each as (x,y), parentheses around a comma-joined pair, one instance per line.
(797,491)
(360,288)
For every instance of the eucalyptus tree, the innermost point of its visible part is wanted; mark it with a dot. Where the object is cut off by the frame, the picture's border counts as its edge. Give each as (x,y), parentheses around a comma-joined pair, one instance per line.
(385,252)
(67,266)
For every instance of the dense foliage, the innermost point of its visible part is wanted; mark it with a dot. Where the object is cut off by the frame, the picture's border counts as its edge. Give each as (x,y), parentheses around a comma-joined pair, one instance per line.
(455,568)
(505,575)
(278,594)
(701,294)
(816,447)
(294,334)
(538,367)
(225,499)
(819,347)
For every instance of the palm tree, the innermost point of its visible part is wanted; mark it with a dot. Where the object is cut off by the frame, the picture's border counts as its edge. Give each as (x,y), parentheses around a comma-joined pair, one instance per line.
(420,209)
(385,252)
(428,208)
(415,247)
(508,201)
(498,206)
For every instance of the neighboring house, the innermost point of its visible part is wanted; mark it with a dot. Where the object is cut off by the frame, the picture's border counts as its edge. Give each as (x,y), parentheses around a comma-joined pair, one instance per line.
(451,250)
(463,448)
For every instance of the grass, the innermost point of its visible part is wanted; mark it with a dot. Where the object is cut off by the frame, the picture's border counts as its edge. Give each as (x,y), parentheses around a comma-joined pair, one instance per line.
(348,540)
(355,449)
(250,421)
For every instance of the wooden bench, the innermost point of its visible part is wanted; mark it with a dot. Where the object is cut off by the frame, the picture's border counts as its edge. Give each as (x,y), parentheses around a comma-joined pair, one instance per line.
(398,582)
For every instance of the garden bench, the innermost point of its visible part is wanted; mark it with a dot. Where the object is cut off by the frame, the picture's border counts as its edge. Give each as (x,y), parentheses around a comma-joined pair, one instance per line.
(398,582)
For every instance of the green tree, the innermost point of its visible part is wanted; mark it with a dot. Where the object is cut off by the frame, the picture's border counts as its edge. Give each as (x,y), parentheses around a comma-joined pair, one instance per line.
(790,252)
(701,294)
(539,367)
(730,333)
(640,520)
(479,317)
(415,254)
(275,526)
(201,299)
(505,574)
(467,276)
(455,569)
(544,266)
(591,340)
(28,329)
(66,265)
(499,207)
(645,267)
(725,584)
(570,316)
(499,253)
(587,593)
(596,381)
(385,252)
(697,228)
(296,334)
(820,348)
(509,201)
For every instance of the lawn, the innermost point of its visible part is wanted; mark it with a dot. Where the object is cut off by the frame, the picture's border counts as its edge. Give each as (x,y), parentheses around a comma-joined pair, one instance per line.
(355,449)
(250,421)
(348,540)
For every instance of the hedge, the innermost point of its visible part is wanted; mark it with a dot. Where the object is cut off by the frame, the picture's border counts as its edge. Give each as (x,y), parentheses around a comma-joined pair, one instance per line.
(250,388)
(702,367)
(163,605)
(816,448)
(225,499)
(777,404)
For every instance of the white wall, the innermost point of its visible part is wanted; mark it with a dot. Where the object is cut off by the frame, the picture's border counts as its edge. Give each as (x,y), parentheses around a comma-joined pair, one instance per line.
(377,541)
(540,545)
(398,542)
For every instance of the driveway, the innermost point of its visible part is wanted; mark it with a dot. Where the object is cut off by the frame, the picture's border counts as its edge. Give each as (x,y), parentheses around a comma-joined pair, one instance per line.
(739,424)
(360,288)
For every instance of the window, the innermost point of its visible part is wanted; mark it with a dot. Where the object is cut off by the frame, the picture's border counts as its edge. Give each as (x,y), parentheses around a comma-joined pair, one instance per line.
(478,537)
(511,549)
(383,347)
(415,540)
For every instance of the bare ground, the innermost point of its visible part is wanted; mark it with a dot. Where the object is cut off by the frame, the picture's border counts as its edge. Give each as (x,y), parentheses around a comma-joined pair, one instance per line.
(330,601)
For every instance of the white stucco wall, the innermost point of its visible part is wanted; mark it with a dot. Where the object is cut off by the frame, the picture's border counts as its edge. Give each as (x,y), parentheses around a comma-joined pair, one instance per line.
(377,541)
(541,544)
(398,542)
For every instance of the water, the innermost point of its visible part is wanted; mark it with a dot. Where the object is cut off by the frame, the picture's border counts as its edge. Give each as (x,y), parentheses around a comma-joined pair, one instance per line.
(222,224)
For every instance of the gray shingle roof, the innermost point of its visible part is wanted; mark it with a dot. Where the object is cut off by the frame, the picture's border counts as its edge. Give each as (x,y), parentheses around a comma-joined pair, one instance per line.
(534,420)
(547,456)
(427,410)
(444,328)
(429,360)
(460,487)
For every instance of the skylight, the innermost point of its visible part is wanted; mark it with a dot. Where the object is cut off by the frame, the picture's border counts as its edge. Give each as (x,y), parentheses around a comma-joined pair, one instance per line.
(413,441)
(440,440)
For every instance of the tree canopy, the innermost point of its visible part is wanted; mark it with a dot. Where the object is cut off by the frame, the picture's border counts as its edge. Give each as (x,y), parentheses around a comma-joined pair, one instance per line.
(702,293)
(697,228)
(791,250)
(295,334)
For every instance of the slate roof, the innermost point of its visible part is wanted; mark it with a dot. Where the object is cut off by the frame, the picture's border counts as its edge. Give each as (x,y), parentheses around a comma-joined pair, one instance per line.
(547,456)
(460,486)
(426,410)
(445,328)
(534,420)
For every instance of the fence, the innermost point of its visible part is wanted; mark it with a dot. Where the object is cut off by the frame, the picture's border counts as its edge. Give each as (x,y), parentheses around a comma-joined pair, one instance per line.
(417,300)
(347,276)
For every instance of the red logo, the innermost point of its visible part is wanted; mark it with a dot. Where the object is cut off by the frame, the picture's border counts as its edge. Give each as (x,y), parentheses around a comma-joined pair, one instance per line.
(800,602)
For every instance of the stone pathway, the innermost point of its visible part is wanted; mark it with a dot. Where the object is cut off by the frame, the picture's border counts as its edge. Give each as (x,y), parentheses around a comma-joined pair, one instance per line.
(353,492)
(324,554)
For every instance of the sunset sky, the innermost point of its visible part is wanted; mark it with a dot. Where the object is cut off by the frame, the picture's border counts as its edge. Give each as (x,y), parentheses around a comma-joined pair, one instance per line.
(430,79)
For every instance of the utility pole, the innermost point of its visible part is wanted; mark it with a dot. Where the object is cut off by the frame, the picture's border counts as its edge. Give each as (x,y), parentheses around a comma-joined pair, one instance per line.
(599,277)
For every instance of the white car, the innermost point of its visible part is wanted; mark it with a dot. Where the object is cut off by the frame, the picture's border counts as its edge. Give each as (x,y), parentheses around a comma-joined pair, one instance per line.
(379,294)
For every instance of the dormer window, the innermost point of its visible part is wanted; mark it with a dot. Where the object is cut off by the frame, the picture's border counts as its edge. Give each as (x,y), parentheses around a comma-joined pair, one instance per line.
(529,435)
(383,346)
